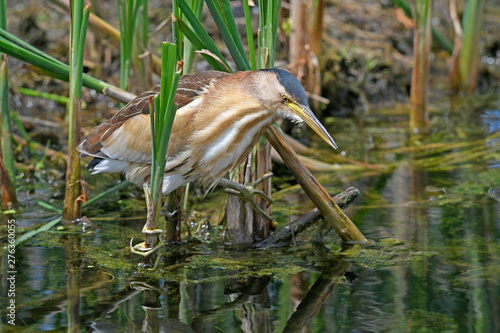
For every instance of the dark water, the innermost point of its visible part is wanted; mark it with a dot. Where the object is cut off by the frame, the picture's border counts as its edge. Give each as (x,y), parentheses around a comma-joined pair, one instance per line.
(434,213)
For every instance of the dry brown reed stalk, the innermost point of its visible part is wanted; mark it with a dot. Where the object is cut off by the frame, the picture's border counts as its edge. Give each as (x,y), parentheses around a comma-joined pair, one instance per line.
(285,234)
(305,44)
(332,213)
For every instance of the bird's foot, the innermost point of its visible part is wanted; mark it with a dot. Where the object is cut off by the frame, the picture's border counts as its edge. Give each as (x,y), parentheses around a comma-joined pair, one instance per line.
(169,216)
(152,232)
(141,248)
(247,193)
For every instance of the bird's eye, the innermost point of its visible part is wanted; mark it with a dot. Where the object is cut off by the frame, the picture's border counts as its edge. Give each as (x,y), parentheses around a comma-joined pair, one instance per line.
(285,99)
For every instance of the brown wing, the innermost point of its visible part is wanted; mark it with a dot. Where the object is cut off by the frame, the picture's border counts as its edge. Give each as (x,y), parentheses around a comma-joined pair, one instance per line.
(134,114)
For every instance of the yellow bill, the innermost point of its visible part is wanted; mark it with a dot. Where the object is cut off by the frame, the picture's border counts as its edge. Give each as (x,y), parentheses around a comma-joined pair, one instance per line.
(305,113)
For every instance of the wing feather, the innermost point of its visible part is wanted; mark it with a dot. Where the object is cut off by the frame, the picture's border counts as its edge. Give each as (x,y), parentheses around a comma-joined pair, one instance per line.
(127,135)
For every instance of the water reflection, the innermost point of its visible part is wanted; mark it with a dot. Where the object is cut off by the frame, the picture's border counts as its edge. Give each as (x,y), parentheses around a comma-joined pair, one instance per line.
(444,277)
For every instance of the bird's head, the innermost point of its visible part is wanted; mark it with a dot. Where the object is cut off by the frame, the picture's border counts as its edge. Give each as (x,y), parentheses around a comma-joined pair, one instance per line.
(280,90)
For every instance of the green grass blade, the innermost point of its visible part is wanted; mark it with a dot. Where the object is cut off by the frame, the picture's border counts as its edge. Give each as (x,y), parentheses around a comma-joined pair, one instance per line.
(35,93)
(23,132)
(48,206)
(33,233)
(276,18)
(106,193)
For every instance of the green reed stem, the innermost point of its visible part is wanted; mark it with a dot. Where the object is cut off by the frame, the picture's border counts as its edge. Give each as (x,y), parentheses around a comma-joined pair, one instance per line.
(142,25)
(79,22)
(444,42)
(176,31)
(251,46)
(420,75)
(189,48)
(127,17)
(268,29)
(162,120)
(141,43)
(469,54)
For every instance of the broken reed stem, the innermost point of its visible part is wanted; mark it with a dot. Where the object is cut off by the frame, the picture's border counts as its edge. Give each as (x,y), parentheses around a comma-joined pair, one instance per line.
(7,181)
(150,240)
(8,191)
(317,26)
(173,226)
(318,195)
(6,154)
(262,167)
(285,234)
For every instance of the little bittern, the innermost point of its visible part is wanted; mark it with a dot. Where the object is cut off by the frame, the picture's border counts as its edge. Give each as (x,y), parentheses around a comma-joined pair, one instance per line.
(220,117)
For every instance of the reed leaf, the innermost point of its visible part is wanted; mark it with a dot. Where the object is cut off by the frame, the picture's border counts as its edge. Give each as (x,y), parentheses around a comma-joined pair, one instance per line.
(17,48)
(229,38)
(230,23)
(40,94)
(106,193)
(200,32)
(199,45)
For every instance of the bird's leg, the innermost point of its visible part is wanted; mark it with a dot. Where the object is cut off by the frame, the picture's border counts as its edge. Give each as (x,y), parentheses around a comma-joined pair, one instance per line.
(173,220)
(151,213)
(141,248)
(247,192)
